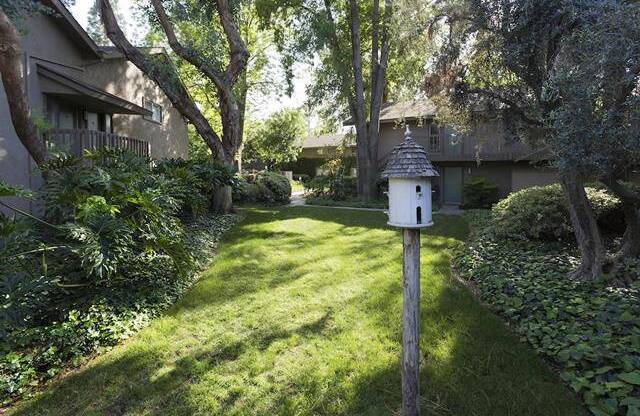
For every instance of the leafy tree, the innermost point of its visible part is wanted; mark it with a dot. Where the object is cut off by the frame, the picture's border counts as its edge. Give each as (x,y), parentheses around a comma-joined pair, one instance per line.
(220,56)
(258,80)
(335,33)
(276,141)
(509,59)
(596,125)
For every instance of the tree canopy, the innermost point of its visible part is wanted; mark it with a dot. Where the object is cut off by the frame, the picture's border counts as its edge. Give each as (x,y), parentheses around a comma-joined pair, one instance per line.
(561,75)
(277,140)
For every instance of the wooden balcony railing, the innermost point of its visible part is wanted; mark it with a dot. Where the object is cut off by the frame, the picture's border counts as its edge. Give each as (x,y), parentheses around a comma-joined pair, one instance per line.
(77,141)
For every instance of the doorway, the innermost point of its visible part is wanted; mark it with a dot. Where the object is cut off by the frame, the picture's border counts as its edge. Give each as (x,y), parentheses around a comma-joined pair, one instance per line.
(452,185)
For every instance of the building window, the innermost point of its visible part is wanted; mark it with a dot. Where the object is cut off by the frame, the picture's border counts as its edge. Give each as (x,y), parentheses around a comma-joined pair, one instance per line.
(434,138)
(155,109)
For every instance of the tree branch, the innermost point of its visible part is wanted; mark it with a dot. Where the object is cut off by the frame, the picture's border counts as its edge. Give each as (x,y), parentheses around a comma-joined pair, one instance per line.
(168,81)
(188,54)
(512,105)
(239,53)
(10,72)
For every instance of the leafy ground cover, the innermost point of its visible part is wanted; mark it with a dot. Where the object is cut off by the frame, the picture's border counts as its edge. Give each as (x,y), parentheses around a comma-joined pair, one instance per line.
(102,318)
(591,331)
(300,315)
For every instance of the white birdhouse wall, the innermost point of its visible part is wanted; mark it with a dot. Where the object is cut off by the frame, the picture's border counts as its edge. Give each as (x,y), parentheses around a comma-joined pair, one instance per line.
(410,202)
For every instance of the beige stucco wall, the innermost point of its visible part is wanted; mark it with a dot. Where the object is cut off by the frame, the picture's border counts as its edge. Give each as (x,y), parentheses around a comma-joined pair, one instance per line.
(122,78)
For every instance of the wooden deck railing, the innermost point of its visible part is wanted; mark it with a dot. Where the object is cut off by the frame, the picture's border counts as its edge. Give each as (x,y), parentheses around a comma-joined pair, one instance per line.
(77,141)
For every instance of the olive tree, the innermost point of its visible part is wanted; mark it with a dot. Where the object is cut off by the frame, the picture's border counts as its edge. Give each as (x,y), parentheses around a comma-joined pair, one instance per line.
(532,62)
(596,124)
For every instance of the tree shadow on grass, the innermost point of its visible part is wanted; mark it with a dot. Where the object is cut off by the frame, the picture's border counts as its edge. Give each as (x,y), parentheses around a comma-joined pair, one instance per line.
(471,364)
(144,383)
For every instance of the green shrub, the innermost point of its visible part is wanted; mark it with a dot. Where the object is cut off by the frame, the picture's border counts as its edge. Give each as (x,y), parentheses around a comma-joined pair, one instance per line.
(479,193)
(262,187)
(336,187)
(541,213)
(195,181)
(111,251)
(279,185)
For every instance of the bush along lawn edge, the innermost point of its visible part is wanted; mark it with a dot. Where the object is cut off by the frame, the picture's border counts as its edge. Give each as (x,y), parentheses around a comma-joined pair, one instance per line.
(589,331)
(103,321)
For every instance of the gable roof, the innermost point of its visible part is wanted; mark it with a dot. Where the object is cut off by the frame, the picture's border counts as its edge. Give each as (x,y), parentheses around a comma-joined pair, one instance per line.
(324,140)
(71,26)
(404,110)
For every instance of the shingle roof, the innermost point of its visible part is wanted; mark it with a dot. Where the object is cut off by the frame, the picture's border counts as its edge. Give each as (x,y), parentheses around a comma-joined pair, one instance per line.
(409,160)
(324,140)
(404,110)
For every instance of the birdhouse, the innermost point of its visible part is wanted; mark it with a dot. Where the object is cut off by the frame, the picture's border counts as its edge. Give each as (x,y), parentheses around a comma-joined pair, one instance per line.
(409,171)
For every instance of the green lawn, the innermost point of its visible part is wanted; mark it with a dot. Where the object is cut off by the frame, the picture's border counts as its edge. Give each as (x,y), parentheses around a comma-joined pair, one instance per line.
(300,315)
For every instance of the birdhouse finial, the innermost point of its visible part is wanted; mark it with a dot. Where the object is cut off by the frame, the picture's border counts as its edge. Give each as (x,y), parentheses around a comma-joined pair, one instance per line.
(407,132)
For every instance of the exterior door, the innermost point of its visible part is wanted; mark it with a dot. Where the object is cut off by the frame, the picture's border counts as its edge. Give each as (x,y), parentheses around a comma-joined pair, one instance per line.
(452,185)
(92,122)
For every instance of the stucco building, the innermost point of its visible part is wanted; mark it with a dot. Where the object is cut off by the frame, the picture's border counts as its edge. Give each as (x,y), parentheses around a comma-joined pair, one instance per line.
(485,152)
(84,95)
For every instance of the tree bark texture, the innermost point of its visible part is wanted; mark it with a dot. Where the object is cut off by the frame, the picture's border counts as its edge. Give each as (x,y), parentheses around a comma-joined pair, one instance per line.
(631,238)
(631,207)
(12,80)
(585,228)
(411,323)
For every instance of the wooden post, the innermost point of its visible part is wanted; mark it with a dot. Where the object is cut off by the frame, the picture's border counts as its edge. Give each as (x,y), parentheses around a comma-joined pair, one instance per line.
(411,322)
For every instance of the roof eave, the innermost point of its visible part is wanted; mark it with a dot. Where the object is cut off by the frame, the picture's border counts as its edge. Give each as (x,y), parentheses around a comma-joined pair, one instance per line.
(92,91)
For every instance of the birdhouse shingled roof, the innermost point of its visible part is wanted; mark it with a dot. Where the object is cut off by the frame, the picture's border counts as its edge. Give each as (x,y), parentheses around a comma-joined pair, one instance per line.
(409,160)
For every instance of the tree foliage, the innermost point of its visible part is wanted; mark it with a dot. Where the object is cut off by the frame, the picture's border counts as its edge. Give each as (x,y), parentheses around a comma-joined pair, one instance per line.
(561,75)
(277,140)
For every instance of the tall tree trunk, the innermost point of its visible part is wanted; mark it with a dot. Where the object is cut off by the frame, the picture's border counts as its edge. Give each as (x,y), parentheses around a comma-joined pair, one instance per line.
(223,149)
(367,132)
(630,205)
(585,228)
(12,80)
(231,109)
(631,238)
(231,117)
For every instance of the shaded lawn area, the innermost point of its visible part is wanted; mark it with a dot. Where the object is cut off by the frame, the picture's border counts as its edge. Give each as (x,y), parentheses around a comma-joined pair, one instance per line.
(300,315)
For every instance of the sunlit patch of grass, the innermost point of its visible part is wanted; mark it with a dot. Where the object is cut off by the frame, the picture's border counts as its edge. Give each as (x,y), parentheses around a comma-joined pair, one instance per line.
(301,315)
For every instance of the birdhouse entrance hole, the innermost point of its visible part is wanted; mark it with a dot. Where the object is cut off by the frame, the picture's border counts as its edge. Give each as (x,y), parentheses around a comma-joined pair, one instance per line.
(419,214)
(418,189)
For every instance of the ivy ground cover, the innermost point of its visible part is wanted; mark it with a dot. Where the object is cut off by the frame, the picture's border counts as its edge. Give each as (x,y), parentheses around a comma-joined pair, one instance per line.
(300,315)
(589,330)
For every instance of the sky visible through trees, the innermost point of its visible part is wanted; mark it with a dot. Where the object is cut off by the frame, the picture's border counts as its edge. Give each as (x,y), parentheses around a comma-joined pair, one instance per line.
(270,104)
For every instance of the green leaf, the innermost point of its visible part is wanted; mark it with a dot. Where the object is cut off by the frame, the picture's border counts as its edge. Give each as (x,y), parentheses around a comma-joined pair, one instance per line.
(632,377)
